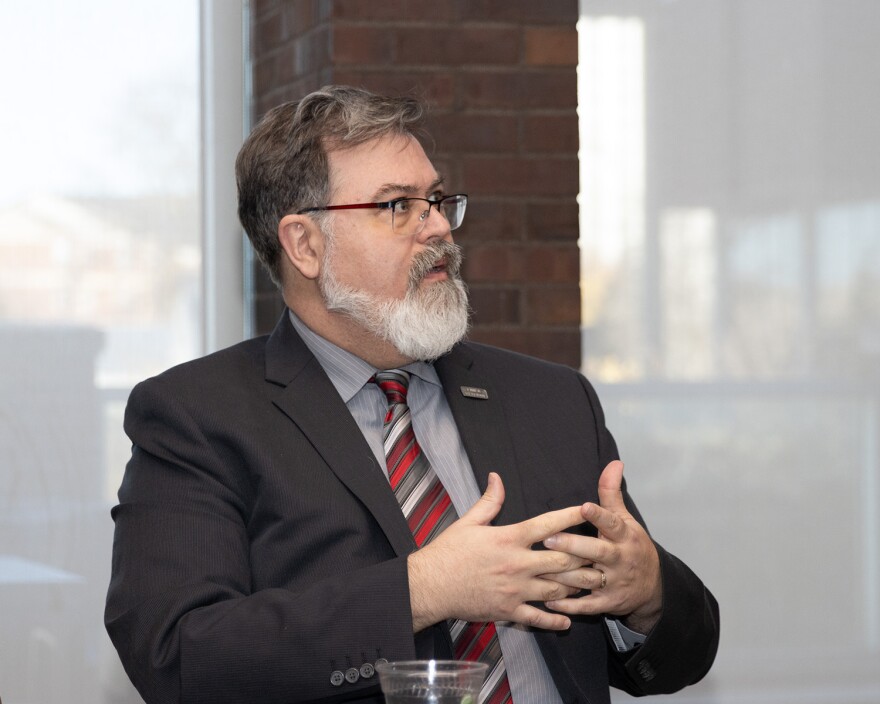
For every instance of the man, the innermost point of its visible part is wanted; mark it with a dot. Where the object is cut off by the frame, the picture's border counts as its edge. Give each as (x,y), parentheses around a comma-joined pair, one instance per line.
(281,528)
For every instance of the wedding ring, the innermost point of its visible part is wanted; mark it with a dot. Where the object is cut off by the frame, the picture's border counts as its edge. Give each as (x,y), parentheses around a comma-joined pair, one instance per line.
(604,580)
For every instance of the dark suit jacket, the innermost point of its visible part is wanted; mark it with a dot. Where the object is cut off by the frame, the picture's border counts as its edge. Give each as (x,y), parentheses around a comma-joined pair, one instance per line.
(259,548)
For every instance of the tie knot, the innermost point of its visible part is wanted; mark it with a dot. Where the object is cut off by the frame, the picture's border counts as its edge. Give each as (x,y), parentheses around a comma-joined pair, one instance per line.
(394,383)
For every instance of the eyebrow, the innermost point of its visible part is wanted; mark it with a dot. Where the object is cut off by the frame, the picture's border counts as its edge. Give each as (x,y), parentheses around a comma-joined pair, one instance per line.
(387,189)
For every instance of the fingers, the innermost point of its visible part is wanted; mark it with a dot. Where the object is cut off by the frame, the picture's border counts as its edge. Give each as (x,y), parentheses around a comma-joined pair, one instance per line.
(590,578)
(536,529)
(610,482)
(587,550)
(608,515)
(590,605)
(536,618)
(490,503)
(597,601)
(510,576)
(609,524)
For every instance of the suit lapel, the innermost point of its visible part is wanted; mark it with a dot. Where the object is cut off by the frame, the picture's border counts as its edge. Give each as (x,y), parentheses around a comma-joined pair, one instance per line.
(311,401)
(482,425)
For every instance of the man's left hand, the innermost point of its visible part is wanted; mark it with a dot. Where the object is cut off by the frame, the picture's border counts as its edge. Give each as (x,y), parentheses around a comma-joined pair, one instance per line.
(621,566)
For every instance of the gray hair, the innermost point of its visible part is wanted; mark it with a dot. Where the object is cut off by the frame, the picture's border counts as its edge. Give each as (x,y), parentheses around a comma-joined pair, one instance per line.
(282,167)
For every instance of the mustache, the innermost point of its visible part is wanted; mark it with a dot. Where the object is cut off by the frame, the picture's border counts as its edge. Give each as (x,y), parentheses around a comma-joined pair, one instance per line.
(427,259)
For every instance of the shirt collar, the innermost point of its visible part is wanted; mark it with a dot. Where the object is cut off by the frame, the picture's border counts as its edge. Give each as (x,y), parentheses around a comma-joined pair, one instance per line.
(348,372)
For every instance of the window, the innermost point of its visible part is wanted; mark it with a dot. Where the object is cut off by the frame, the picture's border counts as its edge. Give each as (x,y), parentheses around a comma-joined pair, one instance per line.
(106,242)
(730,246)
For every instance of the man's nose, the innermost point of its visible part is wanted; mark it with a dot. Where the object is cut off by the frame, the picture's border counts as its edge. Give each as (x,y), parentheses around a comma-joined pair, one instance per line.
(435,226)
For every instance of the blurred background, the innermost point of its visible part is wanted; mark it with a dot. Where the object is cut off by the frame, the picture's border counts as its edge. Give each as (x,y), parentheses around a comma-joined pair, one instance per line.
(680,197)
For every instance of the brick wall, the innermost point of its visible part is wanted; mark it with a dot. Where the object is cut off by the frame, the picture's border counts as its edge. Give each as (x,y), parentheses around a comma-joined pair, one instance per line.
(500,77)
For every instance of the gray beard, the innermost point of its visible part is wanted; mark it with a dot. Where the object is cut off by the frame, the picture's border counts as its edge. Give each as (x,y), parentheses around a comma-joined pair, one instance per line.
(426,323)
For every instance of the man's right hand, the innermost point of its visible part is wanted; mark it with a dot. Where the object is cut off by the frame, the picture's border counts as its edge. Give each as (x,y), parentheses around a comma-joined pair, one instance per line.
(478,572)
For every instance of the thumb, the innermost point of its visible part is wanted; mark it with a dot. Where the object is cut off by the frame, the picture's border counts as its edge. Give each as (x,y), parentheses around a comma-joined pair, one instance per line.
(610,481)
(490,503)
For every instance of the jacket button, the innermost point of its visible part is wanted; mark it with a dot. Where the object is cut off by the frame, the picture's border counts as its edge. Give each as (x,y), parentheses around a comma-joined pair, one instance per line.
(352,675)
(646,672)
(337,678)
(367,670)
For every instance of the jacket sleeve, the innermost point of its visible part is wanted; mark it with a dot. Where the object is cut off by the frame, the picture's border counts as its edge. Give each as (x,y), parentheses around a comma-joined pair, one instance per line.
(681,647)
(182,609)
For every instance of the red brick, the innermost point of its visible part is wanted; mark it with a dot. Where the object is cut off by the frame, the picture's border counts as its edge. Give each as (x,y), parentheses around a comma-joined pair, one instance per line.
(518,90)
(550,88)
(487,219)
(551,46)
(303,55)
(554,264)
(485,263)
(324,8)
(295,90)
(524,12)
(553,305)
(492,89)
(553,221)
(428,11)
(495,305)
(267,33)
(289,62)
(551,133)
(322,43)
(518,176)
(454,46)
(265,74)
(299,16)
(501,83)
(262,8)
(355,44)
(457,132)
(438,87)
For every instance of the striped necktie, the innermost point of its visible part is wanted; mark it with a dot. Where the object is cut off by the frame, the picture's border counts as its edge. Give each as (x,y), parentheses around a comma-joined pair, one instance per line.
(428,512)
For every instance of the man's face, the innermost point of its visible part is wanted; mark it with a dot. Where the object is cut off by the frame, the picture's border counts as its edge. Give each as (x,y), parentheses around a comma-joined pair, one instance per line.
(402,288)
(368,256)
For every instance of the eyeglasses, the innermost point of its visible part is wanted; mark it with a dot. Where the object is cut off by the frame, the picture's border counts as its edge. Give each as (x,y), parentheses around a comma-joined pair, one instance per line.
(409,215)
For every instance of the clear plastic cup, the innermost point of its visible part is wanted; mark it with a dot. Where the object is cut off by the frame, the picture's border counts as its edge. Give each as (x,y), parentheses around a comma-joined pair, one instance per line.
(435,681)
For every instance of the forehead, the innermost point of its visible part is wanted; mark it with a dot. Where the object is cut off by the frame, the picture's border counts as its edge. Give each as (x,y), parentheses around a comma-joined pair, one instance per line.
(389,166)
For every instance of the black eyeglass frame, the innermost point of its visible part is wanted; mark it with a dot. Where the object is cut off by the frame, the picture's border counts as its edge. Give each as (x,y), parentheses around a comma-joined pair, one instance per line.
(391,204)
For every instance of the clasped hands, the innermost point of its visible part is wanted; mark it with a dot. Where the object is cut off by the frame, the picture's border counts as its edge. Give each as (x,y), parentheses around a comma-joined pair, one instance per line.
(479,572)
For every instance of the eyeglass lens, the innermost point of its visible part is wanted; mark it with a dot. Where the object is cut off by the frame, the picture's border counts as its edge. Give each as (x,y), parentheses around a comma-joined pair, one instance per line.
(410,214)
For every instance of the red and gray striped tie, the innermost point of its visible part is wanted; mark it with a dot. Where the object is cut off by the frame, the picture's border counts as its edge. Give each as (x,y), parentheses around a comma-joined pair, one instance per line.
(429,511)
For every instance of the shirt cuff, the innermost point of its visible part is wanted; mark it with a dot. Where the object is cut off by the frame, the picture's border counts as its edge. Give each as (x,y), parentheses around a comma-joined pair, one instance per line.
(624,639)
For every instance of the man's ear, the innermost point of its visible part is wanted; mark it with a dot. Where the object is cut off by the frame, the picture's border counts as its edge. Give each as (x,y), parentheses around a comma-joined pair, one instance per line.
(303,244)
